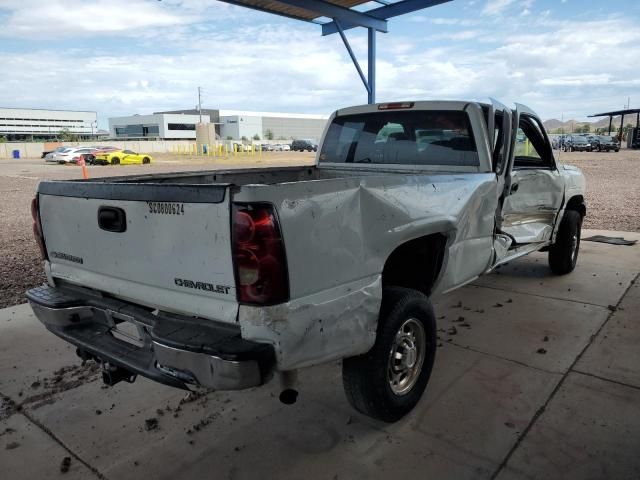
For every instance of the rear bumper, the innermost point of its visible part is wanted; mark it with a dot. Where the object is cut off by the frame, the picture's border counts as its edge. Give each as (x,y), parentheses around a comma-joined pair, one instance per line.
(170,349)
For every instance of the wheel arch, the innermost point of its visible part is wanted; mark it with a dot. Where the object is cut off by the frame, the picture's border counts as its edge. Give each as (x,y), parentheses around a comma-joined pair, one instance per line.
(416,263)
(577,204)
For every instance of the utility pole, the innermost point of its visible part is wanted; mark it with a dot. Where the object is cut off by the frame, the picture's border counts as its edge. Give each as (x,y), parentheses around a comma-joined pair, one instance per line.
(200,102)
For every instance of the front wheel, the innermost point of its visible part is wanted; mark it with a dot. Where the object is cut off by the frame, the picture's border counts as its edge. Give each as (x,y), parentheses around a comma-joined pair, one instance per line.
(563,254)
(387,382)
(146,160)
(115,161)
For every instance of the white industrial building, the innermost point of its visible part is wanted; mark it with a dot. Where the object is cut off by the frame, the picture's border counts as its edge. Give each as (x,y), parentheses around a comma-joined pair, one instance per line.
(41,124)
(168,126)
(229,124)
(280,126)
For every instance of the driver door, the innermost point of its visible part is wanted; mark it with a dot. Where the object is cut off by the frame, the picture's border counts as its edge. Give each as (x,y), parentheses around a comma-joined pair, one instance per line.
(128,157)
(534,188)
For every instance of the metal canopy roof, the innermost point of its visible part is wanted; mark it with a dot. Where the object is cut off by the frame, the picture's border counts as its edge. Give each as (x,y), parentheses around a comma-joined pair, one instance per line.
(617,112)
(622,113)
(336,16)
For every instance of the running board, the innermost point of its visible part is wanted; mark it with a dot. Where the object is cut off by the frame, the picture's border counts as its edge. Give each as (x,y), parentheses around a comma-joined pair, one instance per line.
(518,252)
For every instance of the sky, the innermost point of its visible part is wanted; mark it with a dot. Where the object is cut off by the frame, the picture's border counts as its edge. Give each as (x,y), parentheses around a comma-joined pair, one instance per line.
(563,58)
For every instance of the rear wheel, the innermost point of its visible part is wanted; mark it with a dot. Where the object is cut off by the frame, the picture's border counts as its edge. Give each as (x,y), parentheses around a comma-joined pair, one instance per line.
(388,381)
(563,255)
(146,160)
(115,161)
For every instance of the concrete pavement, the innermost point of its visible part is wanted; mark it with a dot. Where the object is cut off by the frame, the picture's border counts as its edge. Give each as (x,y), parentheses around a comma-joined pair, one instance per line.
(541,380)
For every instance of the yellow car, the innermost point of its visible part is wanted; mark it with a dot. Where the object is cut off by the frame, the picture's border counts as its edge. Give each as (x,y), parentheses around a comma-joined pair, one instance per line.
(122,157)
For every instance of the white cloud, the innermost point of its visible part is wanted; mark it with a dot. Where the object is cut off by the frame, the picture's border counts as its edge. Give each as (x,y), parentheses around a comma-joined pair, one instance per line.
(76,17)
(496,7)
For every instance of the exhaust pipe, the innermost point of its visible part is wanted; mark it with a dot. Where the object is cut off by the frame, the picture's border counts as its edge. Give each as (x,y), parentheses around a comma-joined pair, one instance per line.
(288,380)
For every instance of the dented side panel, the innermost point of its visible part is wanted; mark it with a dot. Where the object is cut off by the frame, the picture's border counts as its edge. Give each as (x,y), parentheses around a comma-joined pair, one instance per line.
(529,213)
(338,234)
(332,324)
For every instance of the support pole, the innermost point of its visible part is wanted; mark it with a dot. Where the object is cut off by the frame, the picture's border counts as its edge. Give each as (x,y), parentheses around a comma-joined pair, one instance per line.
(353,57)
(372,66)
(610,121)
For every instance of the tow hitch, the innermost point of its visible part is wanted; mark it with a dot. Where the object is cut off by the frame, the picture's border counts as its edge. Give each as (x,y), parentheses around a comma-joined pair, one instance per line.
(111,374)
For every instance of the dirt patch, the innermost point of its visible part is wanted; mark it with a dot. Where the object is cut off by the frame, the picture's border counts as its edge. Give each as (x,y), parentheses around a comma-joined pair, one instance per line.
(7,408)
(63,379)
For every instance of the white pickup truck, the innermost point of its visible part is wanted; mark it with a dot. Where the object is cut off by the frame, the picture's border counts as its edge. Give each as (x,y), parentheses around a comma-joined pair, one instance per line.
(222,279)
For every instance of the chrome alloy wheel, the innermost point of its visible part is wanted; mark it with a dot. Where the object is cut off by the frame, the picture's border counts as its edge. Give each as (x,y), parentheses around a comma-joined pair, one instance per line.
(574,246)
(406,357)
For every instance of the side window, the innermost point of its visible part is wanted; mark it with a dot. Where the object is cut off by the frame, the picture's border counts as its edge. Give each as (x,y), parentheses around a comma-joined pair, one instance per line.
(531,149)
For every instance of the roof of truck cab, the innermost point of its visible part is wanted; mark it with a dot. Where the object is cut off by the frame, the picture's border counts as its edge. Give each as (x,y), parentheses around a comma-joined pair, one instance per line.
(416,105)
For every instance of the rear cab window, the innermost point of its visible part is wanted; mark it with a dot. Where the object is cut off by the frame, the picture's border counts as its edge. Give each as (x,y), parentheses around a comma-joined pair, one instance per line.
(412,138)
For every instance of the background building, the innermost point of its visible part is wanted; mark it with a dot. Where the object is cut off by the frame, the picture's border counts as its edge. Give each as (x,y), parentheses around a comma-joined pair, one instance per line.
(237,124)
(18,124)
(280,126)
(168,126)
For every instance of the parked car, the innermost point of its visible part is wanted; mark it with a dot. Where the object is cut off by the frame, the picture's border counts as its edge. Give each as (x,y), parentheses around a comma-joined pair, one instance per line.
(308,265)
(57,150)
(286,147)
(304,145)
(122,157)
(576,143)
(68,155)
(607,143)
(242,147)
(266,147)
(105,149)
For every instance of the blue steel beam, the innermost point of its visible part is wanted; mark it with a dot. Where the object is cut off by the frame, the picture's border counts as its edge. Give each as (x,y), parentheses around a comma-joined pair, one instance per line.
(371,74)
(344,15)
(323,9)
(386,12)
(354,59)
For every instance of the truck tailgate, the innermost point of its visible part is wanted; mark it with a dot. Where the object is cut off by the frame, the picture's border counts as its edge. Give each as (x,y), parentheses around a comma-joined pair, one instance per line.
(166,246)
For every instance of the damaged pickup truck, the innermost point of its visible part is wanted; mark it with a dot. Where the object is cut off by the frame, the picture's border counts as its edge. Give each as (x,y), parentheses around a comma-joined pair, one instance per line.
(223,279)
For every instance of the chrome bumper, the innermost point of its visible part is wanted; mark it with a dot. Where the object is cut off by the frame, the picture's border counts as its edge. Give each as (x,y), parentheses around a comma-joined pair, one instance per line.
(90,323)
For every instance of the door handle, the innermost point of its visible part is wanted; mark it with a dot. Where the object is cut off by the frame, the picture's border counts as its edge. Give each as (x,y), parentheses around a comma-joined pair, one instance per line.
(112,219)
(514,188)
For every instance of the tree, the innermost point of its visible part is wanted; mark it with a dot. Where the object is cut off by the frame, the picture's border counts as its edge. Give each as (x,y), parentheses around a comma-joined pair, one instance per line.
(229,137)
(244,139)
(3,139)
(256,137)
(66,136)
(268,134)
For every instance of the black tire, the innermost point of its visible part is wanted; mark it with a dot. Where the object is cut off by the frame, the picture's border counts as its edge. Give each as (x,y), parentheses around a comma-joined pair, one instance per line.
(366,378)
(563,255)
(115,161)
(617,150)
(146,160)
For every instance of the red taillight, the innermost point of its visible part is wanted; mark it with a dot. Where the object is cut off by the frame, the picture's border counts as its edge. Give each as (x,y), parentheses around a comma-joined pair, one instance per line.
(37,227)
(258,254)
(395,105)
